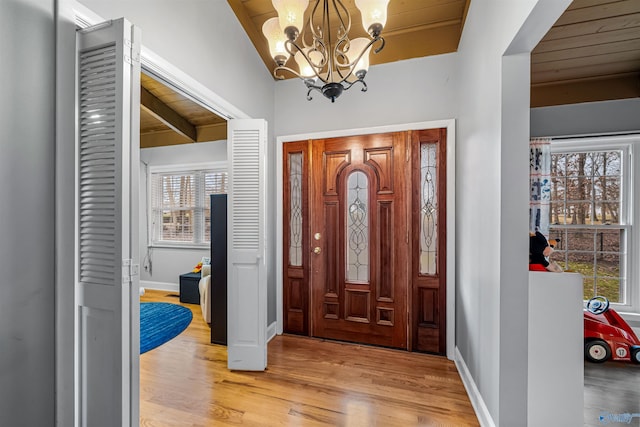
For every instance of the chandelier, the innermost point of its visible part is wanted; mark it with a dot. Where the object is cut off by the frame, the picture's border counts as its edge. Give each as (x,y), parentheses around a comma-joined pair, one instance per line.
(327,60)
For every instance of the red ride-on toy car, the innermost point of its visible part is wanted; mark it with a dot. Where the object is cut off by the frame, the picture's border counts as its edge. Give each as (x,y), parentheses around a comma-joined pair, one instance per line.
(607,335)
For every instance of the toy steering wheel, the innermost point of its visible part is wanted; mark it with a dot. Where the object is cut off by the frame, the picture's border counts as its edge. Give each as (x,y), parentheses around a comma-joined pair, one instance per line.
(598,305)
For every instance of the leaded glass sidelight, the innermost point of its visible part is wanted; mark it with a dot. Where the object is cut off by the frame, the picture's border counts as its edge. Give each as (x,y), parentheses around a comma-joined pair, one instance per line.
(357,227)
(428,209)
(295,209)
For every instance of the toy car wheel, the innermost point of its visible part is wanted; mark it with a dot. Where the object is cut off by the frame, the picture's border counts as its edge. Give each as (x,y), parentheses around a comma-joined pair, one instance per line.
(597,351)
(635,355)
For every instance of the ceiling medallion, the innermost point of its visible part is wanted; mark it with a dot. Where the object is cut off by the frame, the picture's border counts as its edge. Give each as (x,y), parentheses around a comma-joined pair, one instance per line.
(327,61)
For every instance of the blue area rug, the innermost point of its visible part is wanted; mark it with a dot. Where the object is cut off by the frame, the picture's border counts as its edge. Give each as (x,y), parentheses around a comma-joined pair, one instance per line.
(160,322)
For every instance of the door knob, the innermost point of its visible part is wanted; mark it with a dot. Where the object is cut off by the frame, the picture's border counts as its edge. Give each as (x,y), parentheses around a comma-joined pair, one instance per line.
(317,250)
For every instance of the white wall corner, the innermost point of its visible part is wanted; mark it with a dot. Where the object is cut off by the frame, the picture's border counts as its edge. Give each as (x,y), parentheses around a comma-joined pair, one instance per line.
(482,412)
(271,331)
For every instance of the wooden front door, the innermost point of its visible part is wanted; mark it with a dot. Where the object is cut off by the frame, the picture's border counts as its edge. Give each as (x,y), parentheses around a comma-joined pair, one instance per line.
(359,254)
(359,239)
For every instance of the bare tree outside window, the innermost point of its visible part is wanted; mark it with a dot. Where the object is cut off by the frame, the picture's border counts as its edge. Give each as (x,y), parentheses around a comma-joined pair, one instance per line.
(585,216)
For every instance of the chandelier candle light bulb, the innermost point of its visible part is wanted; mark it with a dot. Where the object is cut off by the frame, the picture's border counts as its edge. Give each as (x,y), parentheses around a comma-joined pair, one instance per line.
(327,59)
(275,37)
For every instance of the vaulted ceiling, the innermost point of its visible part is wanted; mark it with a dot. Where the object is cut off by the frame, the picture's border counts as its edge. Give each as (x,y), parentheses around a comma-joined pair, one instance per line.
(592,53)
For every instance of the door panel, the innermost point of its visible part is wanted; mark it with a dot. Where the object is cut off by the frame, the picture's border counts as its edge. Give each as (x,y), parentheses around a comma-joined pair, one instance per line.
(358,267)
(247,257)
(296,238)
(428,246)
(106,258)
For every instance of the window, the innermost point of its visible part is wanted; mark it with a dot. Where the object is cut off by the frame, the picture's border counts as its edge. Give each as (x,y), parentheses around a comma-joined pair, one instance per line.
(179,206)
(591,214)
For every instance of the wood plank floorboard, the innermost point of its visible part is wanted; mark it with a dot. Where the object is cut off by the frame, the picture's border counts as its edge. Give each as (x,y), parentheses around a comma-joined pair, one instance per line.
(308,382)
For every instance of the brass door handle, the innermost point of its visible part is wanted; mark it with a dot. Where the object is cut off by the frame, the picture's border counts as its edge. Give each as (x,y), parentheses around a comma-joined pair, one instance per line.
(317,250)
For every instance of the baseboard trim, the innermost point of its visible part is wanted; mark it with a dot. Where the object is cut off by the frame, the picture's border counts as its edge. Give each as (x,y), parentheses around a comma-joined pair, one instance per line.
(271,331)
(160,286)
(482,412)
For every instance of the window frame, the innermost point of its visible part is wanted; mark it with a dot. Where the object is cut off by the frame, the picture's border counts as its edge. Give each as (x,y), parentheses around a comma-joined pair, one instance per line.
(215,167)
(629,205)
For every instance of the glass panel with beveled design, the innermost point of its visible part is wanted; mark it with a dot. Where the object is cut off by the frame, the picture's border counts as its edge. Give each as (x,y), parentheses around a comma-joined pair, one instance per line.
(428,209)
(295,209)
(357,227)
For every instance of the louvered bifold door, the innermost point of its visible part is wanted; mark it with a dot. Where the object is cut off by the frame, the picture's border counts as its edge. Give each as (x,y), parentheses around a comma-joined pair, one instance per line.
(247,280)
(107,248)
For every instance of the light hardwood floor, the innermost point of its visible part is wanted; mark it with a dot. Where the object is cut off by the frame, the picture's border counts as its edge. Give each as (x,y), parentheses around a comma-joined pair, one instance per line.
(308,382)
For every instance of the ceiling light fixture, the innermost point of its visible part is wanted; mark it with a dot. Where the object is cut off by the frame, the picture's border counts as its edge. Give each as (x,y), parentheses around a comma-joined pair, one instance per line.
(328,62)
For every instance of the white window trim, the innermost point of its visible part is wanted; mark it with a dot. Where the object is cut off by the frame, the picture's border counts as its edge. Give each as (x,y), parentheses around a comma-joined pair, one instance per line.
(630,204)
(220,166)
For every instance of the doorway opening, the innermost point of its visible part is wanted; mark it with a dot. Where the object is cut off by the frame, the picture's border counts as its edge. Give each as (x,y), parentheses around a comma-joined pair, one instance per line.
(365,239)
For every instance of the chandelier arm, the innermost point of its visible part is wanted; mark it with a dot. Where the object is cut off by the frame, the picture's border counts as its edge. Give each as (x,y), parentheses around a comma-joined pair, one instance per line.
(381,44)
(311,22)
(308,59)
(311,88)
(360,80)
(290,70)
(353,63)
(347,27)
(321,50)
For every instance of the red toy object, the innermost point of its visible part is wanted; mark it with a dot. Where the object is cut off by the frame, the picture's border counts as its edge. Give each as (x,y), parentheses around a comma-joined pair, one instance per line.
(607,335)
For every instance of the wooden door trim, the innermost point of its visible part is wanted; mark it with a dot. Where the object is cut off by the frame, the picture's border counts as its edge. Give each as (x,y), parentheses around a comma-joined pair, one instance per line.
(449,125)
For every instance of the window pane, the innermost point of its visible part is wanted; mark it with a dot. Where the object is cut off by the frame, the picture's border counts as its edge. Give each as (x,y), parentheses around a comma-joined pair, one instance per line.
(177,225)
(180,205)
(178,191)
(295,209)
(556,212)
(609,213)
(357,227)
(598,255)
(608,287)
(214,183)
(586,189)
(429,209)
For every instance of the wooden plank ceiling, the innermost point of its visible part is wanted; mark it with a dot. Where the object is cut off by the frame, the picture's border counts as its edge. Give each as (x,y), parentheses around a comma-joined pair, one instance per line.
(170,118)
(592,53)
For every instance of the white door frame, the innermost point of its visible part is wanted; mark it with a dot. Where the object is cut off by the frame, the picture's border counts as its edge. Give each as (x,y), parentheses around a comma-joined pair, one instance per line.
(450,125)
(69,15)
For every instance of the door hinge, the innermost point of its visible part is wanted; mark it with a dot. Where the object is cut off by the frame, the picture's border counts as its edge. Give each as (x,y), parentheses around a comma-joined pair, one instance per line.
(129,270)
(132,52)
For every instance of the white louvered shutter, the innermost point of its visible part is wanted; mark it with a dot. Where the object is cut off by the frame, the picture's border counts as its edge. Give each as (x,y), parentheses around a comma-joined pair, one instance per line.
(107,223)
(247,281)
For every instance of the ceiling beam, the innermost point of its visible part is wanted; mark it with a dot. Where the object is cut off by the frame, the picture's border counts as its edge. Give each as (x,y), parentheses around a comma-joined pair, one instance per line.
(586,90)
(165,114)
(215,132)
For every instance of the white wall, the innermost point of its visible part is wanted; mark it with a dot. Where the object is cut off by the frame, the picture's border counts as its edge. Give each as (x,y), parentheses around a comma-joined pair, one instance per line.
(592,118)
(409,91)
(27,173)
(491,199)
(168,263)
(204,39)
